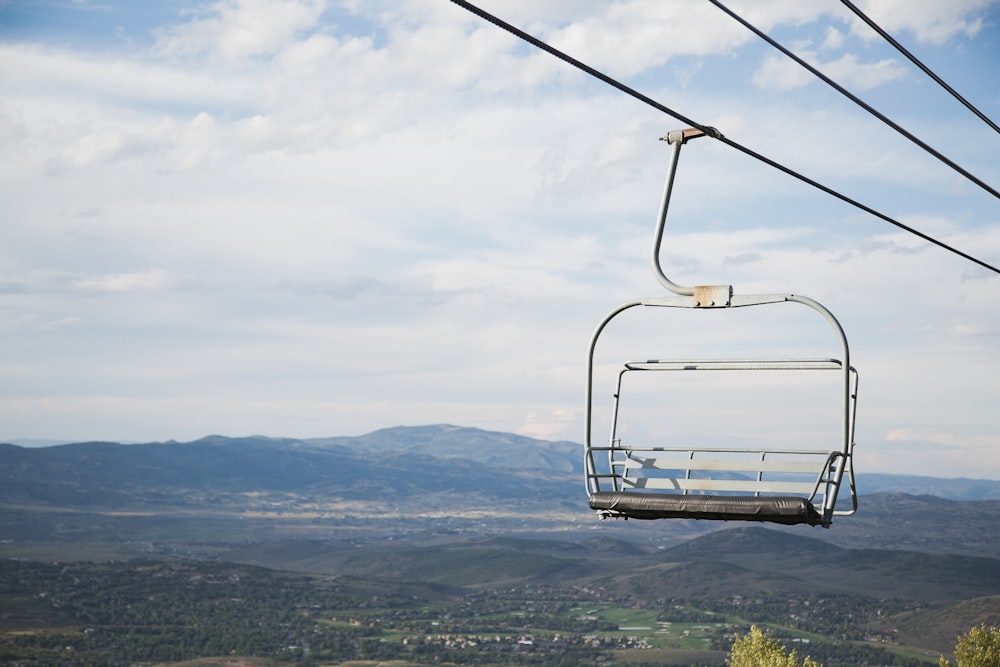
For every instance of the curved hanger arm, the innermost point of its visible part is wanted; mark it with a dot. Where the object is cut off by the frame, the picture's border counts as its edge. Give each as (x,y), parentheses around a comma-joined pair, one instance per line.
(676,139)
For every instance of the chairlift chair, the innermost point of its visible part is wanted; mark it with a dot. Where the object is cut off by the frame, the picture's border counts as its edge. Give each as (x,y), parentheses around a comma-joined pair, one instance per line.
(639,480)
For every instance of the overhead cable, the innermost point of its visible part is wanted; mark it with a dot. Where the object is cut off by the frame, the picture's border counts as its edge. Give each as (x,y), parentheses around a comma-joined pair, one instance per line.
(534,41)
(913,59)
(854,98)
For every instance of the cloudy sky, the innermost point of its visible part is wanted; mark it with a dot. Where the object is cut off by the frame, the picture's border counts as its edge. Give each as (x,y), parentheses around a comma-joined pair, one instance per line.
(310,218)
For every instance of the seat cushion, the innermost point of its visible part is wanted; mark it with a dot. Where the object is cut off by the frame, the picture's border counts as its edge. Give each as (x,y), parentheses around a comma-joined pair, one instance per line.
(789,510)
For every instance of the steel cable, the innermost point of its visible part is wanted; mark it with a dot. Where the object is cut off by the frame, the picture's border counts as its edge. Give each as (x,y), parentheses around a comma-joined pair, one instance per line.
(854,98)
(534,41)
(913,59)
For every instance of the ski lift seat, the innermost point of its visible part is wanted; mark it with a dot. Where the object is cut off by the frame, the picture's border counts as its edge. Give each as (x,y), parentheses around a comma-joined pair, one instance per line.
(788,510)
(777,485)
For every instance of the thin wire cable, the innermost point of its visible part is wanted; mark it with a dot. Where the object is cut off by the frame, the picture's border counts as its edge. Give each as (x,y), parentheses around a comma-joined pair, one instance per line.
(913,59)
(854,98)
(534,41)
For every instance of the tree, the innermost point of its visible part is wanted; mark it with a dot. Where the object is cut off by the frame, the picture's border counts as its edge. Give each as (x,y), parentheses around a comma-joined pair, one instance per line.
(760,649)
(980,647)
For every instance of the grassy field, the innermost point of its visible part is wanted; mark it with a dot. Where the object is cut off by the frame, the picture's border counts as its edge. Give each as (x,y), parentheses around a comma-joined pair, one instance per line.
(666,657)
(644,626)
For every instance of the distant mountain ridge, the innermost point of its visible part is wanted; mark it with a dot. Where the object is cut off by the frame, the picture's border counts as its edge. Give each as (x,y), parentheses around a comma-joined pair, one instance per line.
(505,450)
(446,444)
(414,478)
(109,474)
(960,488)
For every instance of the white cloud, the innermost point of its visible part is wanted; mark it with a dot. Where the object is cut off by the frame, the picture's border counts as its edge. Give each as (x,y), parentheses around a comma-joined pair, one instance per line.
(94,81)
(234,30)
(834,39)
(631,37)
(934,21)
(93,147)
(855,75)
(152,279)
(60,324)
(781,73)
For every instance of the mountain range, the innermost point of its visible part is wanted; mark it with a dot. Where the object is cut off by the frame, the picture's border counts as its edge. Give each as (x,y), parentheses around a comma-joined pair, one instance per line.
(406,480)
(286,463)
